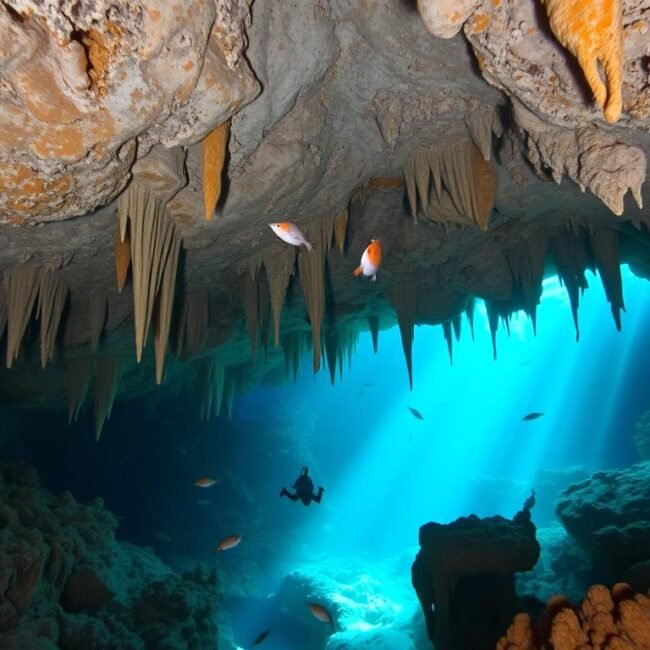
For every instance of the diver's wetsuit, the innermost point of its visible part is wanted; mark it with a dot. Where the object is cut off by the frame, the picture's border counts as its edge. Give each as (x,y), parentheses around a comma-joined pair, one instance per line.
(304,488)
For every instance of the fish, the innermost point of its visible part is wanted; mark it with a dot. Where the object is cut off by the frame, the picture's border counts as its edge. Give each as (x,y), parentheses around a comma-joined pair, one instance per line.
(228,542)
(416,413)
(205,482)
(290,233)
(203,502)
(261,637)
(320,613)
(370,260)
(532,416)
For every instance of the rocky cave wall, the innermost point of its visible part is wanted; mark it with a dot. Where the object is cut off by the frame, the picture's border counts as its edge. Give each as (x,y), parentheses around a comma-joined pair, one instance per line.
(144,152)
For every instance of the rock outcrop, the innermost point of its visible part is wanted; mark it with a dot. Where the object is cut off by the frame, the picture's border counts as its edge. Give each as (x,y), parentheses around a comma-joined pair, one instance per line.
(608,515)
(65,582)
(464,577)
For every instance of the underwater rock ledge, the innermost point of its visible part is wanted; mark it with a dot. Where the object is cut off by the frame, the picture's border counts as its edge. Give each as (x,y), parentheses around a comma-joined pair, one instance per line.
(66,582)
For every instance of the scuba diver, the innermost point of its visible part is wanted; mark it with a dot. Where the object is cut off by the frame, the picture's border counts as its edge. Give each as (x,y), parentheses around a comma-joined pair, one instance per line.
(304,488)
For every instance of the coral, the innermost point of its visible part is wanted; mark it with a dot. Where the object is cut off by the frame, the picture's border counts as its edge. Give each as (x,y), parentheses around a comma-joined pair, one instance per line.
(65,582)
(454,184)
(469,566)
(21,291)
(614,619)
(213,156)
(592,30)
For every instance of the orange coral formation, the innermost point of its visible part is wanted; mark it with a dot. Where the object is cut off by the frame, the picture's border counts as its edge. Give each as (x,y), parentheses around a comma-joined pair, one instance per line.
(213,156)
(612,619)
(592,30)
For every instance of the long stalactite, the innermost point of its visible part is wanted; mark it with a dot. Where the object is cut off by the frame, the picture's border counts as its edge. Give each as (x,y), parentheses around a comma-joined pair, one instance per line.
(403,297)
(79,374)
(97,313)
(107,384)
(21,286)
(52,294)
(280,265)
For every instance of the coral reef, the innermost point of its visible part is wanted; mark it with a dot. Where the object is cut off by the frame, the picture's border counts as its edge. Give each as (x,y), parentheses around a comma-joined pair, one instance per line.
(608,515)
(464,572)
(619,618)
(65,582)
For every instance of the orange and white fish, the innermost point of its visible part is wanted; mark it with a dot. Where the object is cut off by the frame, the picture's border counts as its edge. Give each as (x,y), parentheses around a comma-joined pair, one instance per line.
(320,613)
(370,260)
(290,233)
(228,542)
(205,482)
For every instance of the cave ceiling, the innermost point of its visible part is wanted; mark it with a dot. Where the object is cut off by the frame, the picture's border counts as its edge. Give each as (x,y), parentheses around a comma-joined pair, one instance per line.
(150,143)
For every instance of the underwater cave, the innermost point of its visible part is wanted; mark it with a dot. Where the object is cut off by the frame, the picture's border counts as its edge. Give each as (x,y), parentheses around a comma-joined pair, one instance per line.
(322,325)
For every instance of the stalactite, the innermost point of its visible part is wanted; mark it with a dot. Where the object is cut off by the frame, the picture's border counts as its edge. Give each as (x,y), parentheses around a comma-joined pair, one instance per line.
(265,318)
(21,290)
(97,312)
(469,312)
(106,388)
(280,265)
(165,305)
(293,346)
(311,270)
(480,124)
(155,247)
(569,252)
(340,229)
(52,295)
(463,182)
(79,373)
(373,325)
(332,350)
(233,382)
(122,257)
(251,300)
(404,300)
(213,156)
(604,244)
(493,320)
(446,328)
(456,324)
(527,265)
(3,311)
(193,327)
(592,34)
(211,382)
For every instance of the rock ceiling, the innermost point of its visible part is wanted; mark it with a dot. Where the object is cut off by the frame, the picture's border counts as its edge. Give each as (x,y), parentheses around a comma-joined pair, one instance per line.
(480,159)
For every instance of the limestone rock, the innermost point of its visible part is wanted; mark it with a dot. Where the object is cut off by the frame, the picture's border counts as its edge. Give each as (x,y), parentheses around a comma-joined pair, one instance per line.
(445,18)
(85,82)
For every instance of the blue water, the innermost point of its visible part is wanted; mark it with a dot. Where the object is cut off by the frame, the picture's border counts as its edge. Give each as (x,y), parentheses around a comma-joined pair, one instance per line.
(385,472)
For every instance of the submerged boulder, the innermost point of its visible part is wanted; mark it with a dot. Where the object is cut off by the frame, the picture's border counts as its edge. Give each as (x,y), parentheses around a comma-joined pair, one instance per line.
(608,515)
(464,572)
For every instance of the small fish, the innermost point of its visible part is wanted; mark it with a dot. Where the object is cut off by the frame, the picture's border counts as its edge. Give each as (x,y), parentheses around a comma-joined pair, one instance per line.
(416,413)
(532,416)
(203,502)
(205,482)
(370,260)
(320,613)
(290,233)
(261,637)
(228,542)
